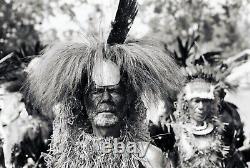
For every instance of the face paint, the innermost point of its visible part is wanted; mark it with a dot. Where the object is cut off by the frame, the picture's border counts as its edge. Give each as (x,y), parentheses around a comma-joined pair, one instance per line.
(199,90)
(105,100)
(200,95)
(105,73)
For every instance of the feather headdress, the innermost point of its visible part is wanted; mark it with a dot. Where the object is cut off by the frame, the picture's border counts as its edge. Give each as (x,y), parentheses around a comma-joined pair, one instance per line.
(64,69)
(64,72)
(210,66)
(124,18)
(205,79)
(205,72)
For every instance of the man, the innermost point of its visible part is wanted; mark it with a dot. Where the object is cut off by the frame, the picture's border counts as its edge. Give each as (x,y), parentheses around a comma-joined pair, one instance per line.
(204,136)
(96,87)
(24,134)
(24,137)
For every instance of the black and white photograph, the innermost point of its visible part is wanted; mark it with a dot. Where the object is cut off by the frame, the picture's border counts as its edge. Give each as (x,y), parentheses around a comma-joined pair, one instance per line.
(124,83)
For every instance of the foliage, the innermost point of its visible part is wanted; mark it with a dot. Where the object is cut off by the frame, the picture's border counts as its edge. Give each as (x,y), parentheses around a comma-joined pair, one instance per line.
(19,32)
(215,22)
(221,26)
(17,29)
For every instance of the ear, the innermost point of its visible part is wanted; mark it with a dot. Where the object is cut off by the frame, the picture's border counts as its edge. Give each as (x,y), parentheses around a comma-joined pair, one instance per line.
(175,104)
(185,105)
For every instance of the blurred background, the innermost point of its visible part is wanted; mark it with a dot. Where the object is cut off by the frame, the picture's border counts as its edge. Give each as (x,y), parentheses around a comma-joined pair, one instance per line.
(27,26)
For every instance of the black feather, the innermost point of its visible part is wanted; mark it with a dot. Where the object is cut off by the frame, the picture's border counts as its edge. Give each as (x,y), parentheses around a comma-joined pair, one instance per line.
(213,58)
(124,18)
(184,49)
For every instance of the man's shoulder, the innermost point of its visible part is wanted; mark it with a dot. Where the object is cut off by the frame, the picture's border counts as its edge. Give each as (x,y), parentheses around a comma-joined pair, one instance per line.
(152,156)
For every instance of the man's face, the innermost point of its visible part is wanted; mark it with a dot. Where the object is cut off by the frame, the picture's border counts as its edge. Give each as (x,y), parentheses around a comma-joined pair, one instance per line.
(105,105)
(201,108)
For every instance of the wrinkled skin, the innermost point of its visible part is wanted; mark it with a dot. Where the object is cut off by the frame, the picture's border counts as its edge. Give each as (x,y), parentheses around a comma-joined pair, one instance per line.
(200,109)
(106,105)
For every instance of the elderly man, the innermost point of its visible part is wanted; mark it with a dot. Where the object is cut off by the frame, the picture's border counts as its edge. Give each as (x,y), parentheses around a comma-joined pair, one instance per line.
(204,136)
(96,89)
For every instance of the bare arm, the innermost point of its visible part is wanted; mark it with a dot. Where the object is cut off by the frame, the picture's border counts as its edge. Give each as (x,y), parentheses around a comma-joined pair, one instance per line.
(152,156)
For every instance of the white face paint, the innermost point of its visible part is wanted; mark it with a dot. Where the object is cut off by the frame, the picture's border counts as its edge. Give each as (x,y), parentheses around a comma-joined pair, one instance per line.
(106,73)
(106,97)
(201,90)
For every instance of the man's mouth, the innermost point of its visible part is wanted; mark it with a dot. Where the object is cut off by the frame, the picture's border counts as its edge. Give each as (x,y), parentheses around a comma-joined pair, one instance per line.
(199,114)
(106,109)
(106,112)
(105,119)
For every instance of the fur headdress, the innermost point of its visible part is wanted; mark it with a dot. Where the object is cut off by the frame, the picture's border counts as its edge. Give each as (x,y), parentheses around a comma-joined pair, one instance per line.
(64,69)
(64,72)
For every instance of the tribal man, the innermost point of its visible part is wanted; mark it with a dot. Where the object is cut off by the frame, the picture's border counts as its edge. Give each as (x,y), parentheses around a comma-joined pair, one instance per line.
(97,88)
(204,137)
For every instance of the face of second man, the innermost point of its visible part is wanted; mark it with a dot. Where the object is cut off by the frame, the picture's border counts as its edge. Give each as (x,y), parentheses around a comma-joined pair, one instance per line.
(201,108)
(105,105)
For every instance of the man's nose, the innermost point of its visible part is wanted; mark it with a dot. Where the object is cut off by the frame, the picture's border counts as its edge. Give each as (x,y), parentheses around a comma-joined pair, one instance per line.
(106,95)
(200,105)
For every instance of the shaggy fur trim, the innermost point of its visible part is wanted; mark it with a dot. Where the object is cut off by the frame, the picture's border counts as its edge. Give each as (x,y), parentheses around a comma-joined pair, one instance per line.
(74,146)
(64,69)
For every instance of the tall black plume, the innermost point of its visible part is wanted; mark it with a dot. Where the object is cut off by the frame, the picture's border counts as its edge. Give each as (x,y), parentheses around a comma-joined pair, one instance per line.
(124,18)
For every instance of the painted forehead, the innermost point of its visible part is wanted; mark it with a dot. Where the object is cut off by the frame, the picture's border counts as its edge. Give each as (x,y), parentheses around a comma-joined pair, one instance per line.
(199,87)
(201,90)
(106,73)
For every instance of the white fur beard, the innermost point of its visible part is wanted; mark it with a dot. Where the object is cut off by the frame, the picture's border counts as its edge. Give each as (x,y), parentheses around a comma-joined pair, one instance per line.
(105,119)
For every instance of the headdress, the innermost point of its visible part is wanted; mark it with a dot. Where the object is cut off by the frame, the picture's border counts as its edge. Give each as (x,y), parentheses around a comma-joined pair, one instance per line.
(205,79)
(65,70)
(200,82)
(203,71)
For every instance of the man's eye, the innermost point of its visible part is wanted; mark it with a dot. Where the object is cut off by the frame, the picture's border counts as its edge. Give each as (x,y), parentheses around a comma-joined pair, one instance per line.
(114,90)
(197,100)
(96,91)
